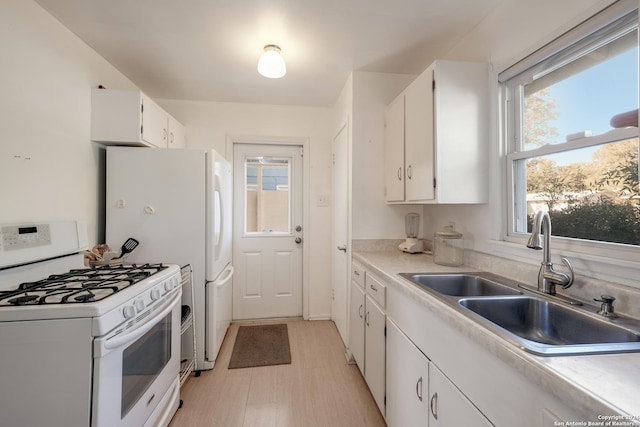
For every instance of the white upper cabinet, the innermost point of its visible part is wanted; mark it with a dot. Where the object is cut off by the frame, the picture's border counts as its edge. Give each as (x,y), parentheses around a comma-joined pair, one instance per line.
(394,150)
(177,134)
(418,139)
(442,142)
(129,117)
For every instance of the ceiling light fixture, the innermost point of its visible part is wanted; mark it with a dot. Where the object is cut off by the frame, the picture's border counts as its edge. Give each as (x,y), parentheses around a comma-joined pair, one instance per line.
(271,63)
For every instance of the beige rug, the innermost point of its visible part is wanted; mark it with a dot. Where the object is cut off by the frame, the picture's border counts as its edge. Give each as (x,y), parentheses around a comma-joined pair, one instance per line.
(261,345)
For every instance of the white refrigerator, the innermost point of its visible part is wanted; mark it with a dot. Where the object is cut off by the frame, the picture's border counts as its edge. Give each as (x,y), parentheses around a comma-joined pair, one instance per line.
(177,203)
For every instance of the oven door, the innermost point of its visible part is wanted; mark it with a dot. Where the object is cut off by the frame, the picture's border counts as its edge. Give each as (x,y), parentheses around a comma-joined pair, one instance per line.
(135,368)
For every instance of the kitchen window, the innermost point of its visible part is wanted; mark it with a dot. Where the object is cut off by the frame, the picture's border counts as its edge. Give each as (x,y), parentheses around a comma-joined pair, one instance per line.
(571,128)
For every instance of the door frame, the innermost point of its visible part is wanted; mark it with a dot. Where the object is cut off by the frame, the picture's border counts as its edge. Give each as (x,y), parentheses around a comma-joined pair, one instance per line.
(306,167)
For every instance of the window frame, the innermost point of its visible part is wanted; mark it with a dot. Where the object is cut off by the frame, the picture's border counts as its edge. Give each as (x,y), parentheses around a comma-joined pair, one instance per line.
(581,38)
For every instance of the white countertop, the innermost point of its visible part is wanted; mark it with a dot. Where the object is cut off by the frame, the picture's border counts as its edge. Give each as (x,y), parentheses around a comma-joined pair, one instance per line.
(605,384)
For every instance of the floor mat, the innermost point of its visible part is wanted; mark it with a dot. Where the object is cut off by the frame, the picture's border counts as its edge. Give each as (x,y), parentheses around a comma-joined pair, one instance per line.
(261,345)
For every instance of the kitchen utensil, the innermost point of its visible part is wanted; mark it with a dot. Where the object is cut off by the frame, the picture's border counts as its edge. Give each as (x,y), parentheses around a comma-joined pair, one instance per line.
(128,246)
(108,256)
(411,227)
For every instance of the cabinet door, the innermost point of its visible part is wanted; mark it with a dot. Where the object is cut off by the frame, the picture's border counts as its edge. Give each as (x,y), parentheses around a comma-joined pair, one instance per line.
(448,406)
(356,325)
(461,102)
(407,381)
(419,139)
(177,134)
(154,123)
(374,354)
(394,150)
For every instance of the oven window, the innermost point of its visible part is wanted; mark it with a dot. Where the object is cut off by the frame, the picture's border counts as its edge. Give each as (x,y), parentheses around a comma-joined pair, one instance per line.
(143,361)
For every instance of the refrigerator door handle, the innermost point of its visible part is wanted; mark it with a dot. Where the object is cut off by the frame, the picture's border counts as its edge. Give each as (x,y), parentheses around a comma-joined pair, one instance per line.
(223,281)
(218,210)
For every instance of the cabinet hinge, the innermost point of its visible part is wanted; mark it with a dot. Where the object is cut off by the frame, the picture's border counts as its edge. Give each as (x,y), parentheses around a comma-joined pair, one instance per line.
(385,331)
(301,151)
(433,85)
(385,400)
(434,183)
(141,130)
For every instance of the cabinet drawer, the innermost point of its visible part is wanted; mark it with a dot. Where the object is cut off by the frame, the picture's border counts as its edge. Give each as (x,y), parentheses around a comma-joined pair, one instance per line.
(357,274)
(376,289)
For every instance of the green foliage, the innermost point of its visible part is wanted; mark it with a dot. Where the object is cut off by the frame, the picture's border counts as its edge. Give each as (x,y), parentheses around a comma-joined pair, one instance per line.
(623,175)
(601,219)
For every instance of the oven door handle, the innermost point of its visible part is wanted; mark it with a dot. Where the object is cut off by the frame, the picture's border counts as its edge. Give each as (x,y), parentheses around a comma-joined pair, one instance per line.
(129,337)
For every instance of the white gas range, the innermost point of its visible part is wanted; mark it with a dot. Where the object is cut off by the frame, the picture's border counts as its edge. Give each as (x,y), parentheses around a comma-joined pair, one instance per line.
(84,347)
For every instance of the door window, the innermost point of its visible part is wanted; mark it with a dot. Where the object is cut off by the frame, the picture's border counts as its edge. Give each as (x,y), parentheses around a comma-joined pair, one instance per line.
(267,196)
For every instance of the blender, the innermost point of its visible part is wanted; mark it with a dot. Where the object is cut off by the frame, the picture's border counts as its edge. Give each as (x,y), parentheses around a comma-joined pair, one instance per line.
(412,245)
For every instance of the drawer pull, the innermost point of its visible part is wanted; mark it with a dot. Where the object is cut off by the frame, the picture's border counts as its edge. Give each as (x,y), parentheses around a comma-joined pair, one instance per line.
(373,288)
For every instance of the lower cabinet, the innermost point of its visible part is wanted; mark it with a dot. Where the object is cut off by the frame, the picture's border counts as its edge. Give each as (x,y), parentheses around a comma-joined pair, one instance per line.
(356,325)
(374,353)
(407,381)
(448,406)
(367,323)
(418,393)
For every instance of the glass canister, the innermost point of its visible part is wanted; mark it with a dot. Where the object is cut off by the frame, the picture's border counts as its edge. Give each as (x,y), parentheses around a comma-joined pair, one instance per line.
(448,247)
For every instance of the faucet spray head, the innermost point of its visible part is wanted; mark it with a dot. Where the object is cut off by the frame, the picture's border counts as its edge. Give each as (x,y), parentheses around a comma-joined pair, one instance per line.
(535,241)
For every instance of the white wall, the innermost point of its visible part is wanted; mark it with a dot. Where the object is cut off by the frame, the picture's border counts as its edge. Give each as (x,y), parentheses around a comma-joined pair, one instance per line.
(49,169)
(372,218)
(210,123)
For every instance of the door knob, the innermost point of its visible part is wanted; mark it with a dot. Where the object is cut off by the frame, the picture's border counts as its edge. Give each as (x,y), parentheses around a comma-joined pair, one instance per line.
(298,228)
(343,248)
(298,240)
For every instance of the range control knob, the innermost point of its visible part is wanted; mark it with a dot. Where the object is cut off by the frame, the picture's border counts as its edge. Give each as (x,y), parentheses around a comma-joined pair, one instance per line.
(155,294)
(129,311)
(168,286)
(139,304)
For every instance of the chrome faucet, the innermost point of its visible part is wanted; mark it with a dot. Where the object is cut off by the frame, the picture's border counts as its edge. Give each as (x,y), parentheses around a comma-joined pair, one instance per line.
(548,278)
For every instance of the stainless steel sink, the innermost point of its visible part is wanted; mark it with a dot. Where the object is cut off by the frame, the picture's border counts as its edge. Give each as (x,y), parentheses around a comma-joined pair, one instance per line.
(462,284)
(535,323)
(549,328)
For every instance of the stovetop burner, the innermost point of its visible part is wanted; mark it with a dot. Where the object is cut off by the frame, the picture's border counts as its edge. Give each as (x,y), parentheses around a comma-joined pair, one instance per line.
(78,286)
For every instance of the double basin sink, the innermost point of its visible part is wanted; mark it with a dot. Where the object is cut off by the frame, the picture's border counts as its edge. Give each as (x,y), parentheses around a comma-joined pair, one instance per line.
(534,323)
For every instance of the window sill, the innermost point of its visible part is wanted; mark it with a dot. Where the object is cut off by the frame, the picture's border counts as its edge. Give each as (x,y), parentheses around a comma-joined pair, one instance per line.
(606,265)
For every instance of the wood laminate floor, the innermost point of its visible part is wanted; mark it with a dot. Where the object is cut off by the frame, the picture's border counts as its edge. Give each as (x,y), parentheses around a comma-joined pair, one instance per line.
(318,388)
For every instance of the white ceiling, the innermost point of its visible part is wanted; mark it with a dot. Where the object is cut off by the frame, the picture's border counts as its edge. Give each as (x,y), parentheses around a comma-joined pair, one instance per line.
(208,49)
